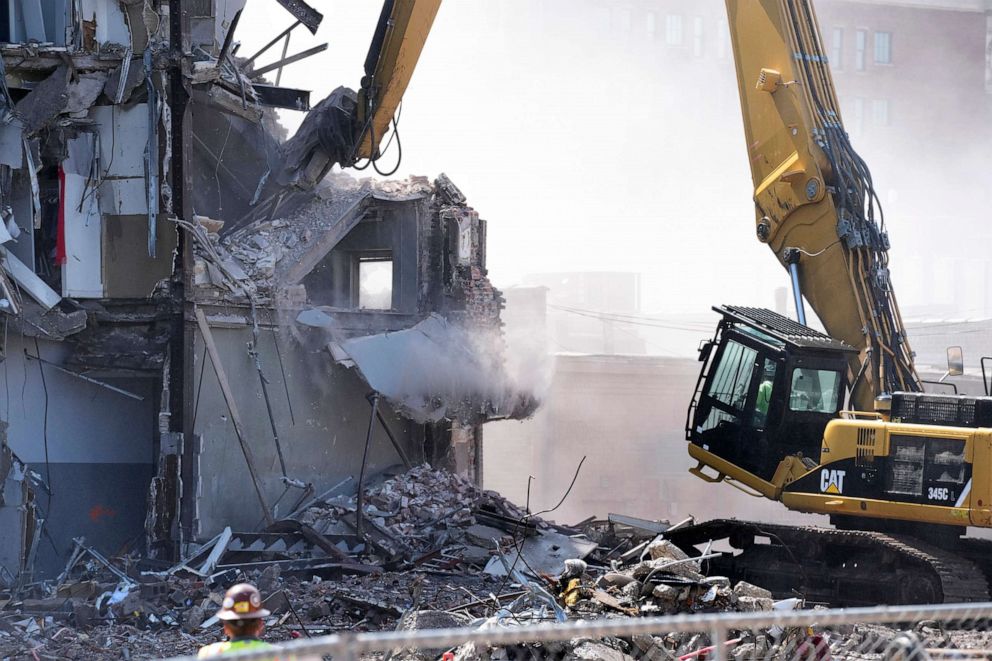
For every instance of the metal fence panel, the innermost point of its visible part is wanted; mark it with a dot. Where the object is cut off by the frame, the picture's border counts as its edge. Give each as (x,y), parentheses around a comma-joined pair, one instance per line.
(960,631)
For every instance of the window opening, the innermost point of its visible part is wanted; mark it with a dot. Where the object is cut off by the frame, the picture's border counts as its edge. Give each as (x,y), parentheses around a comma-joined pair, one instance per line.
(730,383)
(375,282)
(858,113)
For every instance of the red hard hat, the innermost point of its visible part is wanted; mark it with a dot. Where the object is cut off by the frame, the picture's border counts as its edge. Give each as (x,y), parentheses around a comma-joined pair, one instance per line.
(242,602)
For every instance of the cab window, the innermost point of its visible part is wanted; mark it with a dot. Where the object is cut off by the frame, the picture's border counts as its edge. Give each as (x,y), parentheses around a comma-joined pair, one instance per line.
(729,386)
(733,375)
(815,390)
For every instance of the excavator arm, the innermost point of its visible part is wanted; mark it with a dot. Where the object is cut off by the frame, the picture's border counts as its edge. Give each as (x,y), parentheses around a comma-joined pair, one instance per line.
(347,128)
(396,45)
(815,202)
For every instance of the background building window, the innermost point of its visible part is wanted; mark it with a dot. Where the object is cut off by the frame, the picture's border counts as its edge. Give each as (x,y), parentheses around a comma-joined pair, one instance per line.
(722,38)
(625,20)
(837,49)
(857,116)
(860,44)
(652,24)
(697,36)
(883,48)
(673,30)
(880,112)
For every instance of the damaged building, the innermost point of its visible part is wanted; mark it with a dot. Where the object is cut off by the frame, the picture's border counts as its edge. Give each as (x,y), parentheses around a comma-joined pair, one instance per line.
(202,329)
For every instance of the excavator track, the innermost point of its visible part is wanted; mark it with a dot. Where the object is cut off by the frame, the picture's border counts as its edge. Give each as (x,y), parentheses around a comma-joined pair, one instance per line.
(978,551)
(837,567)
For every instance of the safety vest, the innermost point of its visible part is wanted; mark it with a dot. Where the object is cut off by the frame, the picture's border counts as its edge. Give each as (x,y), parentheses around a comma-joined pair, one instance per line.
(217,649)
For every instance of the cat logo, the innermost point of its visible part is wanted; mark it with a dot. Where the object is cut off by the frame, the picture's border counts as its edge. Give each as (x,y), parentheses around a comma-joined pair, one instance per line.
(832,481)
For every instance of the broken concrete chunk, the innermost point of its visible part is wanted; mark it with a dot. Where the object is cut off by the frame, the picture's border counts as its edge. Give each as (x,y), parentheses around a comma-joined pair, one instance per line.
(718,581)
(665,565)
(118,90)
(268,580)
(83,92)
(210,224)
(664,549)
(745,589)
(45,101)
(482,535)
(446,188)
(597,651)
(744,651)
(752,604)
(315,319)
(193,618)
(631,591)
(666,594)
(695,643)
(614,579)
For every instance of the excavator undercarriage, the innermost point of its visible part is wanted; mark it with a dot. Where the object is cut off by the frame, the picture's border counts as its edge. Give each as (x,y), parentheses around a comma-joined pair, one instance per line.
(841,567)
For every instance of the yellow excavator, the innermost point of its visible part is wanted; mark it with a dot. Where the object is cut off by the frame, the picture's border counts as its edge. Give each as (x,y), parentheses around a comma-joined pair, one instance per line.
(833,423)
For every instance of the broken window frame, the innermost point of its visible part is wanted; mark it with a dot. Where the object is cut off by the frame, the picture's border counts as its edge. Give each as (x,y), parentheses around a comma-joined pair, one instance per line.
(49,23)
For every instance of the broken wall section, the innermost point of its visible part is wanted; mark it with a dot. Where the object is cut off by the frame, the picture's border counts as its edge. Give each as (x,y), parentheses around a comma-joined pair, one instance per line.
(319,411)
(93,467)
(325,344)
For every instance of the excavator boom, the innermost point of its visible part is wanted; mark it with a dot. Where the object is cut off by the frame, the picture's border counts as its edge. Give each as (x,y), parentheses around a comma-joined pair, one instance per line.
(814,198)
(396,45)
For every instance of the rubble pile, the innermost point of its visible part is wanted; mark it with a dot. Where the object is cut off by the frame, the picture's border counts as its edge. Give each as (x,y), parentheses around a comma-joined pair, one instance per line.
(421,549)
(425,511)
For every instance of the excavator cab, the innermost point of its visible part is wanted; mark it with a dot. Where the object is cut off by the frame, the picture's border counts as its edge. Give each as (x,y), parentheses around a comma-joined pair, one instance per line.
(767,389)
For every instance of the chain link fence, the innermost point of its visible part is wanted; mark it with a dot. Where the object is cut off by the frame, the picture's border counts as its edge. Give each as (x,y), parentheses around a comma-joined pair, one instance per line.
(898,633)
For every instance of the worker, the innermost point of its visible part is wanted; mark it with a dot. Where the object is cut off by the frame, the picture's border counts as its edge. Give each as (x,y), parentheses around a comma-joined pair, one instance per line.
(764,397)
(242,615)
